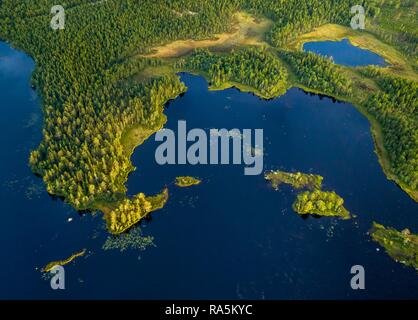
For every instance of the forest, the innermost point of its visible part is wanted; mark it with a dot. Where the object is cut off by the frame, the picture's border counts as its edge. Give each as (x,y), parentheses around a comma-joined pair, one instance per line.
(319,73)
(293,17)
(310,198)
(254,67)
(85,77)
(396,108)
(322,203)
(130,211)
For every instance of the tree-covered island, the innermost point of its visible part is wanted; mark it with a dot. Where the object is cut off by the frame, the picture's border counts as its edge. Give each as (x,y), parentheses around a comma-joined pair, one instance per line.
(187,181)
(402,246)
(321,203)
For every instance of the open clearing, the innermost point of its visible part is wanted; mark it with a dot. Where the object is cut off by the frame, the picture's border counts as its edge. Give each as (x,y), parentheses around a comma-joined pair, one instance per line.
(246,30)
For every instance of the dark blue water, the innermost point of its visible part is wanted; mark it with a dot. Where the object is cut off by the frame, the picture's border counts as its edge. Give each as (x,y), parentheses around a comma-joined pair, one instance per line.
(343,52)
(230,237)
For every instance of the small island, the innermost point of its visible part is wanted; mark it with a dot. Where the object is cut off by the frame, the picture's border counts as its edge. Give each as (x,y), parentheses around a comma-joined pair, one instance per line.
(402,246)
(53,264)
(297,180)
(186,181)
(321,203)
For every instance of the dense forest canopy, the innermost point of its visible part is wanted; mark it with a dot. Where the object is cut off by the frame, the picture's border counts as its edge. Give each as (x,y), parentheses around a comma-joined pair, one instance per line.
(79,77)
(319,73)
(322,203)
(254,67)
(396,108)
(293,17)
(84,76)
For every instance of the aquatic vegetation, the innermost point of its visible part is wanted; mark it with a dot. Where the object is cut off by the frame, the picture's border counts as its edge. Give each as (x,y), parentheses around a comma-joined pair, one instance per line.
(53,264)
(130,211)
(133,239)
(401,246)
(322,203)
(32,121)
(34,190)
(186,181)
(297,180)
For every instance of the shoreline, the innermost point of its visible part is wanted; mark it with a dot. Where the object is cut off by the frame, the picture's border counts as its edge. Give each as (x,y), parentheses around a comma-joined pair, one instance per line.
(134,136)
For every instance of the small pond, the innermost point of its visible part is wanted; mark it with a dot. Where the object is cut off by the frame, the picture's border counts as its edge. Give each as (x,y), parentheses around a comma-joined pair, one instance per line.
(343,52)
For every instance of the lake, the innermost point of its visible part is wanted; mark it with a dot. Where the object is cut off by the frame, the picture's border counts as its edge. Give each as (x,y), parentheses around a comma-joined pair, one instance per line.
(231,237)
(343,52)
